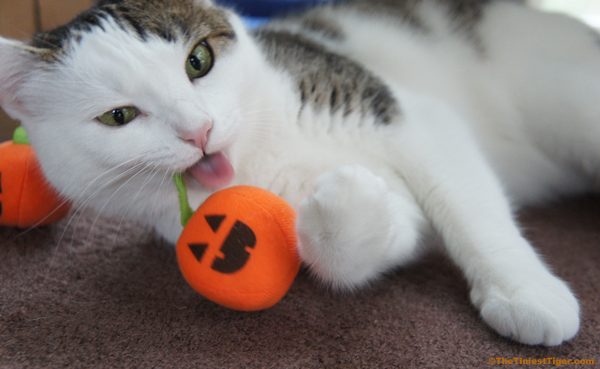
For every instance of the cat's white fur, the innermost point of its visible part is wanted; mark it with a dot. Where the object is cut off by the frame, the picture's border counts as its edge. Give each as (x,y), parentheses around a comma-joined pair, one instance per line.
(476,134)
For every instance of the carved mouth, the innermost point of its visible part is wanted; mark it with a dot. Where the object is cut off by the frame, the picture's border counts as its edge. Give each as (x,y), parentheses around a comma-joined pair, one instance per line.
(213,171)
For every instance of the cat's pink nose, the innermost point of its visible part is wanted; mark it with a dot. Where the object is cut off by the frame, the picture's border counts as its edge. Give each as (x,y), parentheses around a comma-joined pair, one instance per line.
(199,138)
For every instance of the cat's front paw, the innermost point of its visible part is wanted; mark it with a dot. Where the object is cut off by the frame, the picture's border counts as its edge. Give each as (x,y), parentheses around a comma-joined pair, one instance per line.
(348,227)
(343,227)
(538,309)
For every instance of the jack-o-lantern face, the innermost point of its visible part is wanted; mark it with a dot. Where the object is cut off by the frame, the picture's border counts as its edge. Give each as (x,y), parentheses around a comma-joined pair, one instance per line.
(239,249)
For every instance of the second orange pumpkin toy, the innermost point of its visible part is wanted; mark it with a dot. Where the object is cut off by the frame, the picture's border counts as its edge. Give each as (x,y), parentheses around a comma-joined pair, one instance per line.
(26,198)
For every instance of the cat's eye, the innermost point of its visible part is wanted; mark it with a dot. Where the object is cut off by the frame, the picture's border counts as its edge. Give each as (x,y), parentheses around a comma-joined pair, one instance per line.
(200,61)
(119,116)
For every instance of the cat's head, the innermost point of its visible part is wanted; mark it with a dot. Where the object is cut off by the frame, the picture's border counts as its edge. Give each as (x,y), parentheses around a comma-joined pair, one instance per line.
(131,85)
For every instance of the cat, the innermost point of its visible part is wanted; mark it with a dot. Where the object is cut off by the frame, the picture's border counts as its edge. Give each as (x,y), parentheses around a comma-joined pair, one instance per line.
(381,122)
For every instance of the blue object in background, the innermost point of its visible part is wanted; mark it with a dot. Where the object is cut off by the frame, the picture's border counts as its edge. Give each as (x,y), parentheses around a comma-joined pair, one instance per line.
(268,8)
(253,22)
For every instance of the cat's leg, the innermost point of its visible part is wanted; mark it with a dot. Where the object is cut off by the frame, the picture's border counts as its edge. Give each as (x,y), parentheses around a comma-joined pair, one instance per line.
(353,227)
(513,289)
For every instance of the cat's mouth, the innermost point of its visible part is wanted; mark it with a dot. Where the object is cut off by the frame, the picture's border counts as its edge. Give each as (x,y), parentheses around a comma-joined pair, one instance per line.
(213,171)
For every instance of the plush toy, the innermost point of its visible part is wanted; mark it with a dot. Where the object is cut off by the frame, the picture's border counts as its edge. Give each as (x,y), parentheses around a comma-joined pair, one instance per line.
(26,198)
(238,249)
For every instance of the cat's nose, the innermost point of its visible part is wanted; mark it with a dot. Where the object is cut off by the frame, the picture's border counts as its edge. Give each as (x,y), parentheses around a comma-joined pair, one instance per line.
(199,137)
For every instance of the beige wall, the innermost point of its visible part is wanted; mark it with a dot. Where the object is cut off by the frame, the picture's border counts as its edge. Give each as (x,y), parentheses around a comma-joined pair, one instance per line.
(56,12)
(17,18)
(20,19)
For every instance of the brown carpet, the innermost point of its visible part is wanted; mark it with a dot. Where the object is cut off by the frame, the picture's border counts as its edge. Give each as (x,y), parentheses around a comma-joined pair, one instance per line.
(114,298)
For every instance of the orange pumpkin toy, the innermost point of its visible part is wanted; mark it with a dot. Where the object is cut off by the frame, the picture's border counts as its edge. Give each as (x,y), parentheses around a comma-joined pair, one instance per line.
(239,248)
(26,198)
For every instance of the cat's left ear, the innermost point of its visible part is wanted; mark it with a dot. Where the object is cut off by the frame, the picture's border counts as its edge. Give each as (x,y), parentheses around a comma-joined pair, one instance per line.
(17,61)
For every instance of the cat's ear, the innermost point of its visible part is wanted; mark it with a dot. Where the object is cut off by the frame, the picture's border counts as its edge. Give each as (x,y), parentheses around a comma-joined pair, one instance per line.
(17,61)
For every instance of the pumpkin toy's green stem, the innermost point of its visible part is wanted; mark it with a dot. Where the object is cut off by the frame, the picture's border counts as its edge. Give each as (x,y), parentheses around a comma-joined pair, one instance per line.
(185,209)
(20,136)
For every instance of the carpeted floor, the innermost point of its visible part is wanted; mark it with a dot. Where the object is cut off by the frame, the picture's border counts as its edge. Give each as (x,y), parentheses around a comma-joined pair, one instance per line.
(103,296)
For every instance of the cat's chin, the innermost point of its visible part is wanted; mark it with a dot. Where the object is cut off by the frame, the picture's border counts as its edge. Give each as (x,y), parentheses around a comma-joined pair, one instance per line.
(213,171)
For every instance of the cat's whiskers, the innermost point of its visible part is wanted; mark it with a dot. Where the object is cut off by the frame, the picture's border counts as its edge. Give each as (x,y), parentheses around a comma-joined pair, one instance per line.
(81,205)
(148,165)
(151,176)
(78,214)
(73,219)
(112,196)
(65,201)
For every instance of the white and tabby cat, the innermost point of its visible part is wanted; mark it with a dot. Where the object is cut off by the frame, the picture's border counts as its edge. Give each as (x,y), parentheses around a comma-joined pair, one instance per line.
(380,121)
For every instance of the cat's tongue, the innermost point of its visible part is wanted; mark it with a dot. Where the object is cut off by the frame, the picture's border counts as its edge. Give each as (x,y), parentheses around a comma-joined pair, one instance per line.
(213,171)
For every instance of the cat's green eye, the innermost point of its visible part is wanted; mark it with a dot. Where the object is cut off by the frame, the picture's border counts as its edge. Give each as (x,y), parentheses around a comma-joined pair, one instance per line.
(119,116)
(200,61)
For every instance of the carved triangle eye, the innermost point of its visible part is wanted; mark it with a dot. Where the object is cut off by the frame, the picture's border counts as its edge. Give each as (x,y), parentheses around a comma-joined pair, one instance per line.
(215,221)
(198,249)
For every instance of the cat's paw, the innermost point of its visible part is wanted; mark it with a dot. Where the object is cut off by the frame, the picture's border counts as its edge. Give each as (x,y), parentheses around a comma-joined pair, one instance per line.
(346,227)
(343,227)
(540,309)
